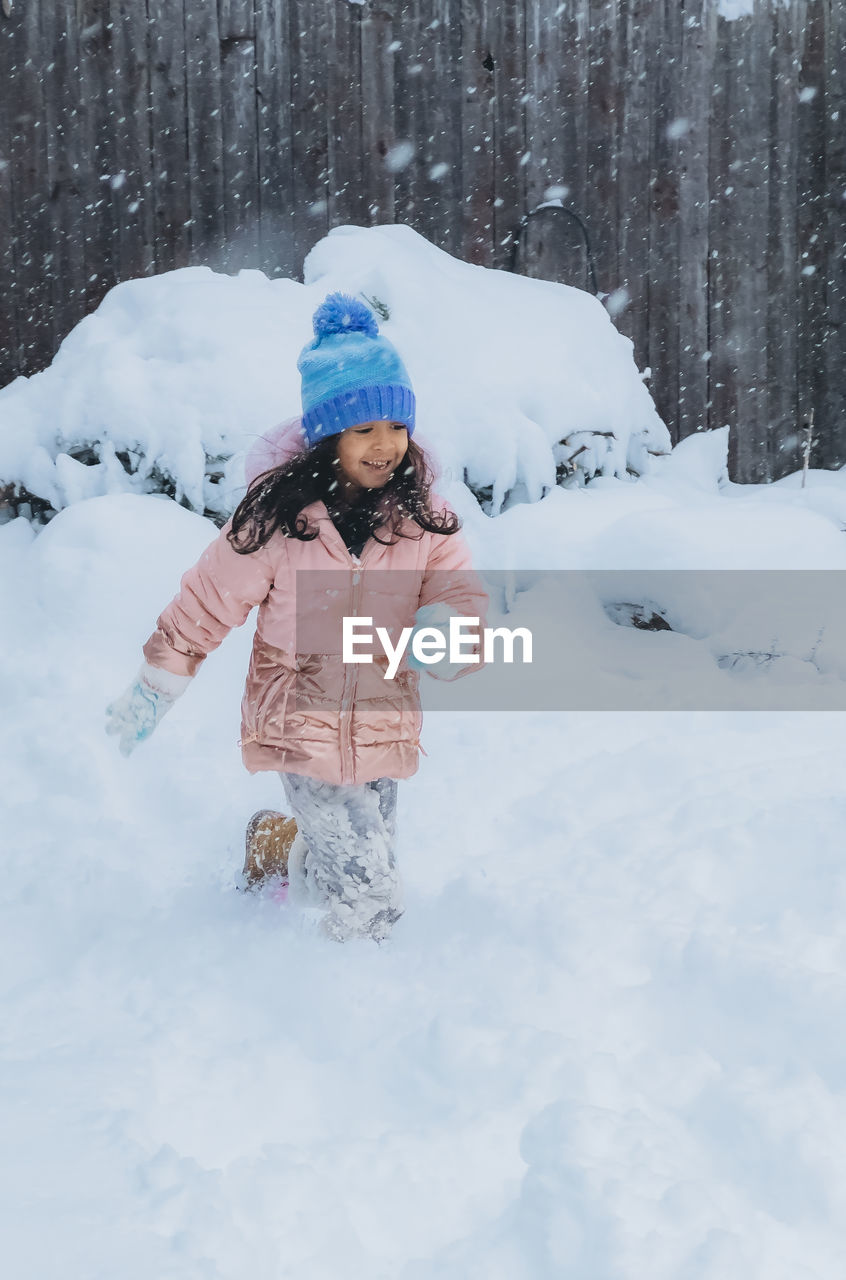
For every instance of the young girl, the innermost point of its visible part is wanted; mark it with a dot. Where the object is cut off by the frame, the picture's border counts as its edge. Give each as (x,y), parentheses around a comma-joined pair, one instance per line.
(311,544)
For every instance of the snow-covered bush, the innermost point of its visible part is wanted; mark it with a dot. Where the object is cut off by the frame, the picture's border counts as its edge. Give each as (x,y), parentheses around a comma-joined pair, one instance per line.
(521,384)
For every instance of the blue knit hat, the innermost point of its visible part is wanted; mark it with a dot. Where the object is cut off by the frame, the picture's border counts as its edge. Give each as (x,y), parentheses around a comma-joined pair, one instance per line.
(350,374)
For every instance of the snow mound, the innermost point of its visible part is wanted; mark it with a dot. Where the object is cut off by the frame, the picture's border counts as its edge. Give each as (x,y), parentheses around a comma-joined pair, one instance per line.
(163,389)
(519,382)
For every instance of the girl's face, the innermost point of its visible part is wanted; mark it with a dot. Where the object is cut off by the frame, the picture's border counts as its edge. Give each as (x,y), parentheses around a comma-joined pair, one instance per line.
(370,453)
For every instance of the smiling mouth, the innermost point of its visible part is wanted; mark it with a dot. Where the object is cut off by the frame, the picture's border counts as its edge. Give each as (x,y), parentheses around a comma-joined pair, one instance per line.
(378,466)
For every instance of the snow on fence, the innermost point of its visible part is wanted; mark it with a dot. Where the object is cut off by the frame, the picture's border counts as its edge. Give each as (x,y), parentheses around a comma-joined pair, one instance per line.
(703,144)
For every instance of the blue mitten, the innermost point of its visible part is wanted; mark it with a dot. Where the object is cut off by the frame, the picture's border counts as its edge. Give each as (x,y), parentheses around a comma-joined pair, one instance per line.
(135,714)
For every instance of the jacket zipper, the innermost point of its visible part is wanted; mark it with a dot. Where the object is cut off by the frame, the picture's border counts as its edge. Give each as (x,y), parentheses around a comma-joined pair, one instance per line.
(351,670)
(350,681)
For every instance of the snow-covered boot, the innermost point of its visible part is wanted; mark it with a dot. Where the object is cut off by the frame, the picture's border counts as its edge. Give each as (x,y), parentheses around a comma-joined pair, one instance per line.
(269,839)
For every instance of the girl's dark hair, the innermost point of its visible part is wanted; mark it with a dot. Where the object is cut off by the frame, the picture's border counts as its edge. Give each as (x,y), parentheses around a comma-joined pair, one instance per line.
(275,500)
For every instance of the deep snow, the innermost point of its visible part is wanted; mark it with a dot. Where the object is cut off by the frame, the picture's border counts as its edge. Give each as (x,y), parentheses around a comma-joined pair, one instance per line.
(604,1043)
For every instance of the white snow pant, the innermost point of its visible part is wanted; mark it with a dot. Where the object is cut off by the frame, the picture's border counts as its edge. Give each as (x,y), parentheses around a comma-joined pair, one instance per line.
(344,853)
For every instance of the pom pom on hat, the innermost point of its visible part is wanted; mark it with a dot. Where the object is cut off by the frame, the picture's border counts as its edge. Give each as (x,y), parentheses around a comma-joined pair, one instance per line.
(340,313)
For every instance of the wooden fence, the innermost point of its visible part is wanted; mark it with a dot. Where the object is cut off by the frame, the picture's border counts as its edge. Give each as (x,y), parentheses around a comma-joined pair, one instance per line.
(707,157)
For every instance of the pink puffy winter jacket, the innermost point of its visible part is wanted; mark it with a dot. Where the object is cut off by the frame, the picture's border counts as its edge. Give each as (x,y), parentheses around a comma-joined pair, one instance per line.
(304,710)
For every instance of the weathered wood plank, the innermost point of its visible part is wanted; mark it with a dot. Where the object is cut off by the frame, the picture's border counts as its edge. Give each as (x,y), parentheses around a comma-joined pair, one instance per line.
(237,19)
(721,269)
(750,180)
(630,307)
(310,27)
(171,184)
(406,59)
(833,398)
(432,70)
(783,253)
(810,225)
(275,138)
(240,155)
(542,246)
(574,62)
(346,188)
(477,144)
(512,150)
(698,39)
(738,244)
(96,145)
(665,33)
(30,177)
(10,364)
(205,131)
(65,159)
(603,121)
(49,20)
(130,182)
(377,110)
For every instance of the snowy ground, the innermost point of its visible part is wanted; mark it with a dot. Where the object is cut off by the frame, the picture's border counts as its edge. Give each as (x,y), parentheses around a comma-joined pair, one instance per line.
(605,1042)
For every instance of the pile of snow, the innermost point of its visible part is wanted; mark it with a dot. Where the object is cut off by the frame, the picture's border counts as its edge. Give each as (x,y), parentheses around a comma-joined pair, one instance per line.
(163,389)
(515,376)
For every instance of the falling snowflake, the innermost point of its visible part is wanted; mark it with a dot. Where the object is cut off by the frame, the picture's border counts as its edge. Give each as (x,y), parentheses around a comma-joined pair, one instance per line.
(399,157)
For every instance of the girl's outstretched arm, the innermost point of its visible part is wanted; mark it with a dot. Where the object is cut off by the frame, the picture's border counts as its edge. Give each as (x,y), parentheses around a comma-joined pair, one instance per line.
(215,595)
